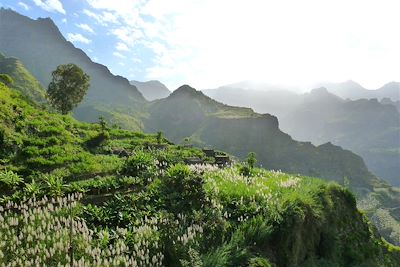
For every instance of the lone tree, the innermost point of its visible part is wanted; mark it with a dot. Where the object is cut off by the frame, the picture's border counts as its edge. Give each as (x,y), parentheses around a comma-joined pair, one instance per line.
(251,159)
(68,87)
(159,137)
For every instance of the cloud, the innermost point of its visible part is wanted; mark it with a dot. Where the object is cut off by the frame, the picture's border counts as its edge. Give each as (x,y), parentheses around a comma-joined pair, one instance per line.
(85,27)
(122,47)
(77,38)
(64,20)
(23,5)
(103,18)
(50,5)
(136,60)
(128,35)
(208,43)
(118,54)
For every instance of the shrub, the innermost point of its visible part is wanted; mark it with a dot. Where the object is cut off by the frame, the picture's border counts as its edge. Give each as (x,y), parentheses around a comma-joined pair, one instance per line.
(9,180)
(98,140)
(258,262)
(140,164)
(245,170)
(182,190)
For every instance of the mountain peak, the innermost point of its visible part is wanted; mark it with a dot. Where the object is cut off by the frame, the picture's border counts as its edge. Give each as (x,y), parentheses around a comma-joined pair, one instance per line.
(320,90)
(393,84)
(321,95)
(352,83)
(185,90)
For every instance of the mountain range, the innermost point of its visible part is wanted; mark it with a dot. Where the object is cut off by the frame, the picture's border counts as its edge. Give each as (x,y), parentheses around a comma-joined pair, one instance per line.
(188,115)
(354,91)
(368,127)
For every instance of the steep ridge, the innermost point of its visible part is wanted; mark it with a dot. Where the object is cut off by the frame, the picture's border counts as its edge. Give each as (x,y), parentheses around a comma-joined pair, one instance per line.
(41,48)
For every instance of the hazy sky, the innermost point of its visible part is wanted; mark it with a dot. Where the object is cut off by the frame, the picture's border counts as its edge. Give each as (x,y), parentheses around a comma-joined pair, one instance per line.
(208,43)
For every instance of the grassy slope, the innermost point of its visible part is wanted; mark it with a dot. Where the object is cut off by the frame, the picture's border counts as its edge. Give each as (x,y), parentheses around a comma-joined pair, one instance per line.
(272,217)
(24,82)
(38,141)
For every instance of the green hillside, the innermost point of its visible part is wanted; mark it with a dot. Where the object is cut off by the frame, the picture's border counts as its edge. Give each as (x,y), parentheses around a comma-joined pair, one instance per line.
(40,46)
(141,205)
(24,82)
(187,114)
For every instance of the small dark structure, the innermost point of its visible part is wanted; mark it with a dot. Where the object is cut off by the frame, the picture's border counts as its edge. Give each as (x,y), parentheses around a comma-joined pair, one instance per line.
(222,160)
(209,152)
(193,161)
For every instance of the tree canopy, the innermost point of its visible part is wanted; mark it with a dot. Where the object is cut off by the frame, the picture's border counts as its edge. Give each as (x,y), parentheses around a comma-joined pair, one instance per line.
(68,87)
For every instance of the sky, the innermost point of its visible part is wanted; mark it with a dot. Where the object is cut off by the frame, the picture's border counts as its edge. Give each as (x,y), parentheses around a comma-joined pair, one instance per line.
(209,43)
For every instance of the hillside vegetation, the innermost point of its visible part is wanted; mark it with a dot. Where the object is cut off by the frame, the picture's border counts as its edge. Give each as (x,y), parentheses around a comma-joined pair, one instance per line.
(23,81)
(189,115)
(135,202)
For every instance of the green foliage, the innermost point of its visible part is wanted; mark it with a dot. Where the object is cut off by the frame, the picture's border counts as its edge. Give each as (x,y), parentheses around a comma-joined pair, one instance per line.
(9,181)
(53,184)
(6,79)
(98,139)
(22,79)
(68,87)
(102,123)
(251,159)
(148,205)
(258,262)
(182,190)
(159,137)
(245,170)
(140,164)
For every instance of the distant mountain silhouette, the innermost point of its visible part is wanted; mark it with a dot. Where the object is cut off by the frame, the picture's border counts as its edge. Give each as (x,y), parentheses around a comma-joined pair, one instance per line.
(354,91)
(369,128)
(188,113)
(151,90)
(274,100)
